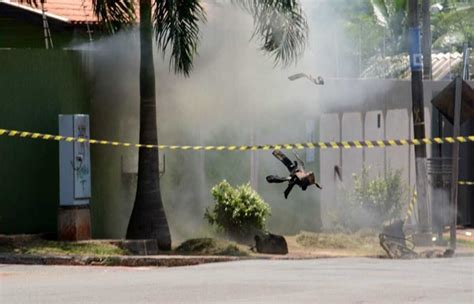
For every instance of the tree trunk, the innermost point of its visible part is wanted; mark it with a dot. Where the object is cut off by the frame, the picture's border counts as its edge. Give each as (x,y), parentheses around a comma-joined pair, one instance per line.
(148,219)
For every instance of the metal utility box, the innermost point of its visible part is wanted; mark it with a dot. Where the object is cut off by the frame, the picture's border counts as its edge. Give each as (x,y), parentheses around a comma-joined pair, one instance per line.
(74,161)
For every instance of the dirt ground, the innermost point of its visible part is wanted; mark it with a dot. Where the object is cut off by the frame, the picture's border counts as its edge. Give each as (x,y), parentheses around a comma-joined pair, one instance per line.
(298,251)
(369,247)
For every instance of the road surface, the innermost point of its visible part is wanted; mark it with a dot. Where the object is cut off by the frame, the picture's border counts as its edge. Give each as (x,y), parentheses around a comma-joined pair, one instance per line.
(346,280)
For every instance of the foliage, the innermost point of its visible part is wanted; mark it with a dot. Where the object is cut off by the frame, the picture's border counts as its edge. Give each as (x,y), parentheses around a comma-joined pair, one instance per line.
(381,197)
(371,202)
(453,25)
(43,247)
(279,26)
(466,243)
(379,28)
(240,212)
(392,16)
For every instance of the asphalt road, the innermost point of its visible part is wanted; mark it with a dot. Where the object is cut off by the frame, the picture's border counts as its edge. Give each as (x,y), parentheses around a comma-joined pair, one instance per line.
(347,280)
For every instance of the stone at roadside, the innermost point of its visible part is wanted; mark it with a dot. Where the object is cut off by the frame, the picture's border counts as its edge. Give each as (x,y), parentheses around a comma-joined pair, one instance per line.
(271,244)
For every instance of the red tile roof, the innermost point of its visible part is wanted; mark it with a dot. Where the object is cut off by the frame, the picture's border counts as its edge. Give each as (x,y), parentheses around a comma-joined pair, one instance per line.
(74,11)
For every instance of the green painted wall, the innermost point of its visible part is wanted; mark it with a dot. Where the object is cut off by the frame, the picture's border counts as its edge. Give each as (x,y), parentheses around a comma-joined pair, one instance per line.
(15,33)
(22,33)
(35,86)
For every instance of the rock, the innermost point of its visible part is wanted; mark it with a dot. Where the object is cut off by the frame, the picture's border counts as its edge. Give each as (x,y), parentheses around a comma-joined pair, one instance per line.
(271,244)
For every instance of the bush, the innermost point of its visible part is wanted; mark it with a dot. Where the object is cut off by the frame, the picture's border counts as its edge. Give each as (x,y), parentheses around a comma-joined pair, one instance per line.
(208,246)
(383,197)
(374,201)
(238,212)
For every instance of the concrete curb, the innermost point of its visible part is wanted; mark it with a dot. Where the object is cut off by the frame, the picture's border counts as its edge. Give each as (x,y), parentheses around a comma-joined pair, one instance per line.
(128,261)
(151,261)
(140,261)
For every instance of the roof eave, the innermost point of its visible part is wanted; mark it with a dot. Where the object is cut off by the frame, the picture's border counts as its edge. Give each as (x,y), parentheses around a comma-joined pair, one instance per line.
(35,11)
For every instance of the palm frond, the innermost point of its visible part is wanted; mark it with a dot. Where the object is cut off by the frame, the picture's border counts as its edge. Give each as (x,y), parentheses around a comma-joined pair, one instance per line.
(176,24)
(30,2)
(400,5)
(380,12)
(280,27)
(115,14)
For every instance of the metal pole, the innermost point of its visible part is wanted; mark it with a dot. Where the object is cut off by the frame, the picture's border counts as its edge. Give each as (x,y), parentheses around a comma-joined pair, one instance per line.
(423,236)
(425,9)
(336,46)
(466,56)
(360,50)
(253,159)
(455,176)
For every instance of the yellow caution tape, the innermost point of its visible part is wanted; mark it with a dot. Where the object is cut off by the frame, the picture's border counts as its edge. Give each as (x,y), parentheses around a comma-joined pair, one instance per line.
(413,200)
(299,146)
(411,206)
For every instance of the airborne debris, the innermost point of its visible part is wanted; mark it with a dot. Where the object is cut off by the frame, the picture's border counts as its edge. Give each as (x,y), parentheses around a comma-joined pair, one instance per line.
(298,176)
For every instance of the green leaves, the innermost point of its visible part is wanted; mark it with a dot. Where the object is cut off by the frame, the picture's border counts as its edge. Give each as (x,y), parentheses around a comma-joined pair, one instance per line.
(381,197)
(115,14)
(239,212)
(31,2)
(371,201)
(380,12)
(279,26)
(393,16)
(176,25)
(454,26)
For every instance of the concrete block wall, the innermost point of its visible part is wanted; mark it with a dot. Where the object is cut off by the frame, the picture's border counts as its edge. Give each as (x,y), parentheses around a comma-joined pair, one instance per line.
(378,115)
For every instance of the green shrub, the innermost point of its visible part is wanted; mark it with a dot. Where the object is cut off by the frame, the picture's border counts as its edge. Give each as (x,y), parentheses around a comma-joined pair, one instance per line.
(373,201)
(383,197)
(238,212)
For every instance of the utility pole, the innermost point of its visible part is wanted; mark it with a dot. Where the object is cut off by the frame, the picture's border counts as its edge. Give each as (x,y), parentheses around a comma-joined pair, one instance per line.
(427,39)
(423,235)
(455,176)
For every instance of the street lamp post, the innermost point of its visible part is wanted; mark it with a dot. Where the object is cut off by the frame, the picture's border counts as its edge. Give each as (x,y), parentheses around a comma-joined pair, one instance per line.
(317,81)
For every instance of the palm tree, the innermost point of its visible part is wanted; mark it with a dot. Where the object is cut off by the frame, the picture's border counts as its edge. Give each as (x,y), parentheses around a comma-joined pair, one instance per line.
(454,25)
(392,16)
(452,22)
(280,28)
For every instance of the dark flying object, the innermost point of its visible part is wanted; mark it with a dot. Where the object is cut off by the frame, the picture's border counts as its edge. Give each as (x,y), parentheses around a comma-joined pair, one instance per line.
(298,176)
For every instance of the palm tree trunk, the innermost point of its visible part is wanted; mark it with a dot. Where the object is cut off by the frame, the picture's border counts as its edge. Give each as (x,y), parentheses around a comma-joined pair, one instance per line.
(148,219)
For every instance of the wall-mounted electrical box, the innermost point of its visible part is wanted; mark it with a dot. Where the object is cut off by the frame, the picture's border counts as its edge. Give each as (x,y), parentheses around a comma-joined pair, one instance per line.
(74,161)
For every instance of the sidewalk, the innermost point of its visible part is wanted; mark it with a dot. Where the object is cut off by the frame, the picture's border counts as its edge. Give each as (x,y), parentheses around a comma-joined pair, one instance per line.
(140,259)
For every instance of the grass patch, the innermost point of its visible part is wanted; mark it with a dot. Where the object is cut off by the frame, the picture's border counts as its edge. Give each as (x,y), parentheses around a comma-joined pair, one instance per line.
(6,249)
(361,242)
(209,246)
(65,248)
(466,243)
